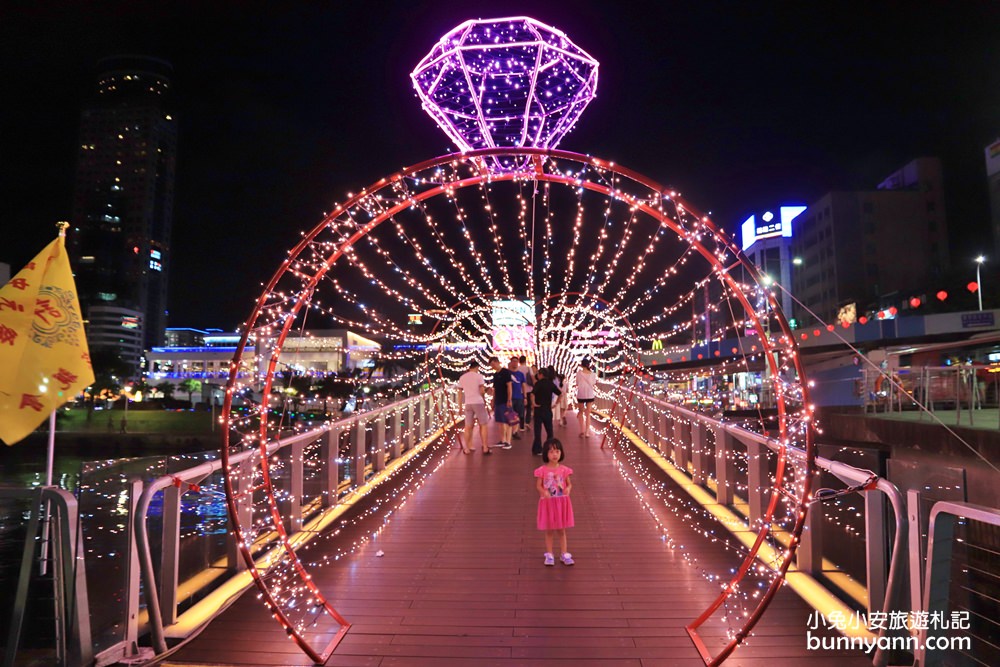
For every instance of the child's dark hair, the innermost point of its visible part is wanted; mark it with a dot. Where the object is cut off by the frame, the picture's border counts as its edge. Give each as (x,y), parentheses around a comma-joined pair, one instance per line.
(553,443)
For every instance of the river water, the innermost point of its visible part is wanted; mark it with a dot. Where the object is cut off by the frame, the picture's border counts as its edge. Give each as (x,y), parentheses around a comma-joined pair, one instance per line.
(101,488)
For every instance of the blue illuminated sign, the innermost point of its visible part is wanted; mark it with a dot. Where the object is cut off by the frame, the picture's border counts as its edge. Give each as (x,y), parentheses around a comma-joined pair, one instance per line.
(768,227)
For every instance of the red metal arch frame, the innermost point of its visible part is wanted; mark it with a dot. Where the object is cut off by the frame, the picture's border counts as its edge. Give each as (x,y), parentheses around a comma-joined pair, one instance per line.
(537,159)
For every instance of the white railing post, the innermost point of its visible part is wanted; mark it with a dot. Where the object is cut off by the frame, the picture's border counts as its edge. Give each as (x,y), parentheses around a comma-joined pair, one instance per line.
(397,432)
(329,465)
(682,441)
(411,427)
(876,564)
(665,430)
(358,453)
(757,481)
(242,484)
(292,487)
(915,547)
(809,555)
(170,553)
(132,573)
(378,450)
(699,456)
(725,466)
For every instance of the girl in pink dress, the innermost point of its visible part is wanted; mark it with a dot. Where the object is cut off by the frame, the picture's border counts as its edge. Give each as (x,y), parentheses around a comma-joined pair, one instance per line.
(555,511)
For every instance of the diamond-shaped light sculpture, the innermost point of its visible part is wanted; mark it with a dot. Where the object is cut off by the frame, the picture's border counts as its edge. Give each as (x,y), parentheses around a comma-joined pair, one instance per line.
(510,82)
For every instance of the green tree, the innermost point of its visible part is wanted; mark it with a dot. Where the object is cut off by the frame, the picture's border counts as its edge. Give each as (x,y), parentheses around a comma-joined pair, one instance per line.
(190,386)
(166,388)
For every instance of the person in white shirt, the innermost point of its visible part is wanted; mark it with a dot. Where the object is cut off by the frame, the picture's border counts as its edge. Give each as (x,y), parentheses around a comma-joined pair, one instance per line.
(586,381)
(473,388)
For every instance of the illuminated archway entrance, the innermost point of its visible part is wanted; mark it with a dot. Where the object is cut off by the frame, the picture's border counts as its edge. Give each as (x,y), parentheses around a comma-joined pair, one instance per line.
(418,259)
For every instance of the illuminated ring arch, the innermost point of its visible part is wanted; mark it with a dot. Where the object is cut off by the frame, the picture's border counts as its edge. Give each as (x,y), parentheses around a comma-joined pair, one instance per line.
(696,236)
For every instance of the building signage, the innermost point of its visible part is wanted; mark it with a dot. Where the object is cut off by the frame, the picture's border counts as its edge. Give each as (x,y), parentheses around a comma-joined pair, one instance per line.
(980,319)
(769,226)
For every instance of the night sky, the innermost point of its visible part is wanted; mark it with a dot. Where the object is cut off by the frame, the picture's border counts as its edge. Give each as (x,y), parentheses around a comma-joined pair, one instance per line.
(284,108)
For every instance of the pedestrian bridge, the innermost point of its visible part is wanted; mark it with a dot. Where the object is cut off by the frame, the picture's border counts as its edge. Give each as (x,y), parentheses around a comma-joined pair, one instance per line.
(423,555)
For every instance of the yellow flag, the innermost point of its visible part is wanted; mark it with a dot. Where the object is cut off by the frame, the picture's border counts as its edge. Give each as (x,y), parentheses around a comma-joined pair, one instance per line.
(44,360)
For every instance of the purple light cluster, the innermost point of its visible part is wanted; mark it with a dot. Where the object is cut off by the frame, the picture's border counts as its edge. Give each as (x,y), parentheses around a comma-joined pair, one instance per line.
(510,82)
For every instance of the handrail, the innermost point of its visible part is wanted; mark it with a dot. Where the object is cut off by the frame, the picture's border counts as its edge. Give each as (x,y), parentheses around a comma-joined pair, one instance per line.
(74,642)
(202,470)
(849,474)
(940,536)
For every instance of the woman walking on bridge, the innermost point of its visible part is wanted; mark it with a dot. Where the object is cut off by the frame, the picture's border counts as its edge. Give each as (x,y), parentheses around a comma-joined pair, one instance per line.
(555,511)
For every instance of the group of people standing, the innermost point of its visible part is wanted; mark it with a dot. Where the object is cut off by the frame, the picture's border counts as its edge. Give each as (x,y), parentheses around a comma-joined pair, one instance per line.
(523,395)
(537,396)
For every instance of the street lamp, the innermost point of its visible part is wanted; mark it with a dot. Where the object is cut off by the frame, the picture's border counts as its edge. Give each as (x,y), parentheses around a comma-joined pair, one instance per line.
(979,284)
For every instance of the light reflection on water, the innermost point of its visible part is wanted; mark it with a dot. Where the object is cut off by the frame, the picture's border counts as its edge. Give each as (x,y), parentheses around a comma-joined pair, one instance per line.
(101,488)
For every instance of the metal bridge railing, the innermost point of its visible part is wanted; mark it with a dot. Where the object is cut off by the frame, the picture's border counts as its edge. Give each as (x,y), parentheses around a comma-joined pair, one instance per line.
(736,459)
(321,466)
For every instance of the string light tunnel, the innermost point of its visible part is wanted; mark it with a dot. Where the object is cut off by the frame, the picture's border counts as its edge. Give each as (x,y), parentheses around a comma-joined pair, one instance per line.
(511,246)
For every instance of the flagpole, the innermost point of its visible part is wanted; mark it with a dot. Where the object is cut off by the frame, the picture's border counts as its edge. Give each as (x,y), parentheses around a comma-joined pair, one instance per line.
(50,457)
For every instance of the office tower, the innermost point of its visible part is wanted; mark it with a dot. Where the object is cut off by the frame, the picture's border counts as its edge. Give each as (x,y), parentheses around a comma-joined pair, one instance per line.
(865,250)
(123,204)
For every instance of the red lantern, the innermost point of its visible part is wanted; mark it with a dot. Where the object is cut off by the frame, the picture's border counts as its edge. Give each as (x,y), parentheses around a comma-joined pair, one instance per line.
(942,295)
(829,327)
(914,302)
(863,320)
(805,336)
(845,324)
(973,287)
(893,311)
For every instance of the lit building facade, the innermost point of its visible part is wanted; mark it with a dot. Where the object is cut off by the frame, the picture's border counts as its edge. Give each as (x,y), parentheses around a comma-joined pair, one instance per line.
(124,192)
(205,355)
(868,249)
(116,328)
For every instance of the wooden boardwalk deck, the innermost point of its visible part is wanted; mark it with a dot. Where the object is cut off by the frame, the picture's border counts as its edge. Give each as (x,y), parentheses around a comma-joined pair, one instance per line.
(461,582)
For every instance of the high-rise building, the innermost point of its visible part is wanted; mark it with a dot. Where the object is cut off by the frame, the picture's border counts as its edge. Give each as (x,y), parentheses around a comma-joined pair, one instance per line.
(123,200)
(993,183)
(869,249)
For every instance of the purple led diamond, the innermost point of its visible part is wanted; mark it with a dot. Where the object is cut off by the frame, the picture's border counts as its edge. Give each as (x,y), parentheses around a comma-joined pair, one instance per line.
(508,82)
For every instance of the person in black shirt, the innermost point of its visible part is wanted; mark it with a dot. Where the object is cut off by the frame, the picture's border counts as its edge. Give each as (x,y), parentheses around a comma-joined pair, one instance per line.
(502,397)
(541,401)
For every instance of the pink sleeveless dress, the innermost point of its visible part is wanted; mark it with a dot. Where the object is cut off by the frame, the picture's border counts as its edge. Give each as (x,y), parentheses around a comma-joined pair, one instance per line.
(556,511)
